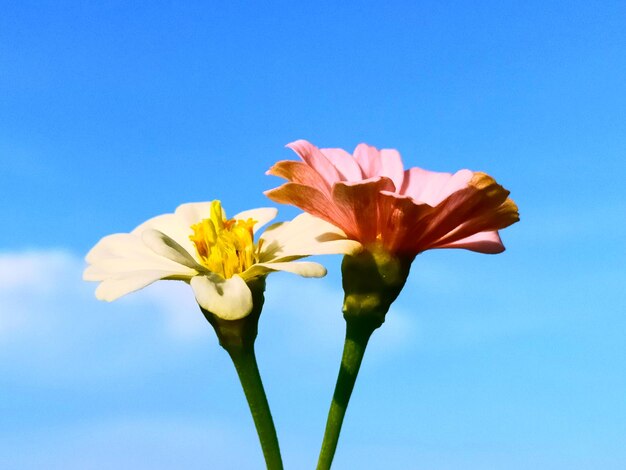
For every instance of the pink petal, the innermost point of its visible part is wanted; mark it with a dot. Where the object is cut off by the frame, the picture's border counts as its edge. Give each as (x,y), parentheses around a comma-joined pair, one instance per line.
(316,160)
(368,158)
(359,202)
(346,165)
(483,242)
(433,187)
(392,167)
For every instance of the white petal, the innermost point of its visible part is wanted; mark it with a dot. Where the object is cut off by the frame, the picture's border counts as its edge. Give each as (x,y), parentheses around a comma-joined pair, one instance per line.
(119,267)
(304,236)
(118,245)
(229,299)
(302,268)
(124,253)
(262,215)
(193,212)
(173,226)
(124,264)
(167,247)
(113,288)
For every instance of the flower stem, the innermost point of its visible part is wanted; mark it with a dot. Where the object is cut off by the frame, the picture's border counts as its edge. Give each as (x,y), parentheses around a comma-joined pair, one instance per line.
(248,372)
(358,332)
(237,337)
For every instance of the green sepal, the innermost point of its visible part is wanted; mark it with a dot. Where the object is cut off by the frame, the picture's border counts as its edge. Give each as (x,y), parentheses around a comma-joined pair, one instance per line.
(372,280)
(240,334)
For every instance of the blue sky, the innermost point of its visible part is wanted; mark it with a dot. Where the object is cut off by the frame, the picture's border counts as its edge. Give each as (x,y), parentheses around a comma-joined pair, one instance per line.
(112,112)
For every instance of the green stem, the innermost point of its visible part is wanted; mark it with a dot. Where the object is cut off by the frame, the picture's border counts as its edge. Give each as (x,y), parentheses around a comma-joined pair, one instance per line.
(237,337)
(248,371)
(358,333)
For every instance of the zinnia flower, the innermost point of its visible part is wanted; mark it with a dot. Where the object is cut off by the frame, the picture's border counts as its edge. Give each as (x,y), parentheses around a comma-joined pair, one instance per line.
(374,200)
(395,214)
(198,244)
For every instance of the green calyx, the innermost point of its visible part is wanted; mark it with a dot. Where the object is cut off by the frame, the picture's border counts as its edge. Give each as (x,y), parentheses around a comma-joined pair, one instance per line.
(240,334)
(372,280)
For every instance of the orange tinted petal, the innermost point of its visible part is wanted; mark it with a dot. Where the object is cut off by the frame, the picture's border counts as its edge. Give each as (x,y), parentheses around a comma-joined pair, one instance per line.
(504,215)
(359,201)
(400,219)
(461,207)
(313,201)
(299,172)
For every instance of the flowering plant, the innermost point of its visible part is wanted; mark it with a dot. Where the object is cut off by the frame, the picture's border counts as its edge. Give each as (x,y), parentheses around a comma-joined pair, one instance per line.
(394,214)
(226,269)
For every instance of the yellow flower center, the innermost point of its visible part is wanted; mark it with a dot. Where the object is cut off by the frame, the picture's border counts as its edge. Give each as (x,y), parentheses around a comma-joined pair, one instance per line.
(224,246)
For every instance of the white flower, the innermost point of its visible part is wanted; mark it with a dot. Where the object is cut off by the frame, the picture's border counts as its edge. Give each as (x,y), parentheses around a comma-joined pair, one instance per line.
(199,245)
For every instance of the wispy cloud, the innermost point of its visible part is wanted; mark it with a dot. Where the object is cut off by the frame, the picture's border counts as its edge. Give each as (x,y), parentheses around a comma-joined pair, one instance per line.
(51,321)
(51,325)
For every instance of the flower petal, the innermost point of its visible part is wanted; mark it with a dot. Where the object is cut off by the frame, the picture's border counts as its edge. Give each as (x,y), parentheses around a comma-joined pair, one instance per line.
(230,299)
(392,167)
(193,212)
(262,216)
(305,235)
(346,165)
(122,253)
(113,288)
(480,207)
(299,172)
(310,200)
(433,187)
(302,268)
(167,247)
(483,242)
(488,220)
(316,159)
(118,245)
(368,158)
(359,203)
(401,222)
(123,267)
(170,224)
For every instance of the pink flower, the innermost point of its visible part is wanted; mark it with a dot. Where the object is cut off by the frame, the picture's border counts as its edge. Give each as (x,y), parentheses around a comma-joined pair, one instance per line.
(375,201)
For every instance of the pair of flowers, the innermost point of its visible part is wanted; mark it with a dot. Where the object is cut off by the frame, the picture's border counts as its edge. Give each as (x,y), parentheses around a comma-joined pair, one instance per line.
(365,206)
(365,201)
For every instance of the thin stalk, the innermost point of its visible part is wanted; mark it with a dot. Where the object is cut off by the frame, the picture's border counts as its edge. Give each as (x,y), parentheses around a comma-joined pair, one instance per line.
(237,337)
(248,372)
(357,335)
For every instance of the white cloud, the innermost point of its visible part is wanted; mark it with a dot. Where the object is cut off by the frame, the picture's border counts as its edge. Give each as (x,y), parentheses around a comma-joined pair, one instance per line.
(30,284)
(51,325)
(37,288)
(53,330)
